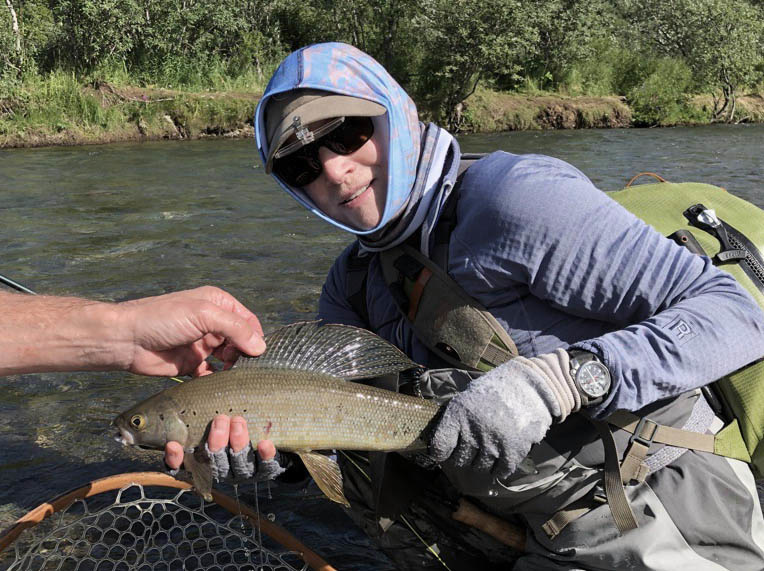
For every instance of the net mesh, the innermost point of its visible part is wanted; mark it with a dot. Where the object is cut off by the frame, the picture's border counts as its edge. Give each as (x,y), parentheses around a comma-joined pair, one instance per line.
(147,528)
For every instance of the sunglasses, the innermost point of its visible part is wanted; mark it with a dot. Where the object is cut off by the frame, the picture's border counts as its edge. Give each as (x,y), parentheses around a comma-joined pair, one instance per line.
(299,165)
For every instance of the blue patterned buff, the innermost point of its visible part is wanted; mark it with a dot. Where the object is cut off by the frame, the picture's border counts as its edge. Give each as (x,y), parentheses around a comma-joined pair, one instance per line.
(346,70)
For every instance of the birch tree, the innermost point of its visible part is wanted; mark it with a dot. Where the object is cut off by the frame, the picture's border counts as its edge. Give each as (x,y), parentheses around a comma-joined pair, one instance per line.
(19,60)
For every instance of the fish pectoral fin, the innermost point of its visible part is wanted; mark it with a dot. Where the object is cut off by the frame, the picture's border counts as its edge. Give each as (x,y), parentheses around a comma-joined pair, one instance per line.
(326,473)
(198,463)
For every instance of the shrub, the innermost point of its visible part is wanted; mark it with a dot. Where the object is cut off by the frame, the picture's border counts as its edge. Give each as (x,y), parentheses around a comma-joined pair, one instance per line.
(661,97)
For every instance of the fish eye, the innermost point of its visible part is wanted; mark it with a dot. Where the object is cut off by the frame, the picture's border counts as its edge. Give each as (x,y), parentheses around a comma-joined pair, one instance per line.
(138,421)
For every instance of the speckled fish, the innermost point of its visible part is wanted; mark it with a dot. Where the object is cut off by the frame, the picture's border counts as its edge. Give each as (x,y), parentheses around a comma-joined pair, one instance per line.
(296,394)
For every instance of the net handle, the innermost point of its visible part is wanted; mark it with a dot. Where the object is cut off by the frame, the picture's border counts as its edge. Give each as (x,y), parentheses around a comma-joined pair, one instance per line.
(119,481)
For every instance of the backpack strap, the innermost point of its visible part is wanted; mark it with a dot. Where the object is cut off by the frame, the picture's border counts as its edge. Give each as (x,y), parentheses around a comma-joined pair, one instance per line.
(355,281)
(358,266)
(453,325)
(728,442)
(447,220)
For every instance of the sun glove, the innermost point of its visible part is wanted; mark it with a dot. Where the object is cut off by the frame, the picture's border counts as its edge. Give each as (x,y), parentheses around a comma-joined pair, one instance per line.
(492,425)
(244,465)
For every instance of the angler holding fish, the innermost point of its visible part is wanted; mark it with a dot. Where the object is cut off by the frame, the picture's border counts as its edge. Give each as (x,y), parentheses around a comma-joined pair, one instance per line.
(539,306)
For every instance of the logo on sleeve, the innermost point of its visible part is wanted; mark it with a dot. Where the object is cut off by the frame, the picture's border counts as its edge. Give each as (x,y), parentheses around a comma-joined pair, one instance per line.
(681,330)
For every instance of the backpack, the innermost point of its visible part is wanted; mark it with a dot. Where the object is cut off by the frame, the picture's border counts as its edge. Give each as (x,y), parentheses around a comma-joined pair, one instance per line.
(710,221)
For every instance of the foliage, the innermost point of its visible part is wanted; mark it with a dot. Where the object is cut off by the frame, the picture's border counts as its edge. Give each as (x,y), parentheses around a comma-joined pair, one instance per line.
(655,52)
(721,41)
(569,33)
(661,97)
(464,41)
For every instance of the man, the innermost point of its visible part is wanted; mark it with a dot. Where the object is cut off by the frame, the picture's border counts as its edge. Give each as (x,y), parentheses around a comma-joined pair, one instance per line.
(577,283)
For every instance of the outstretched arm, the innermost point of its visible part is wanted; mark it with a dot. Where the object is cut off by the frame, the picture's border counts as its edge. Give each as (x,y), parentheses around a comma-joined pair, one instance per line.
(170,334)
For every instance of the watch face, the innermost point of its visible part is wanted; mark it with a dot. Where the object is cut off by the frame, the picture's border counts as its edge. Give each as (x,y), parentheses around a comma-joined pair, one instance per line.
(593,378)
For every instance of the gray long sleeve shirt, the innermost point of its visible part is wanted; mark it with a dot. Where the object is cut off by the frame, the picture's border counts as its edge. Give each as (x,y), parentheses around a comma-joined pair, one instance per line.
(559,263)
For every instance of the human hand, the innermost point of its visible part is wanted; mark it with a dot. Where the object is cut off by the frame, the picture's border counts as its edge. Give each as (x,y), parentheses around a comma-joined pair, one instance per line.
(236,461)
(492,425)
(173,334)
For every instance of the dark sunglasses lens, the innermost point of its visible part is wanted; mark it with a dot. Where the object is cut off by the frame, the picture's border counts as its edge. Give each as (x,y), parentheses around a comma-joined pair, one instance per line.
(303,167)
(350,136)
(297,169)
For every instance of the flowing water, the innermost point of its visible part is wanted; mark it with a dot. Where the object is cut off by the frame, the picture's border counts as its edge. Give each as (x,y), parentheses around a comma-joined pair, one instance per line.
(121,221)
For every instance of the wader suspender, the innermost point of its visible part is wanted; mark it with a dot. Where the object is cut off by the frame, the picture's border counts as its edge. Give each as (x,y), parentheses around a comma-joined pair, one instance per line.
(454,326)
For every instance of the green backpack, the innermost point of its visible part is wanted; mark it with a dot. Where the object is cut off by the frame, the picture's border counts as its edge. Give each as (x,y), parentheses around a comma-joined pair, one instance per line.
(709,220)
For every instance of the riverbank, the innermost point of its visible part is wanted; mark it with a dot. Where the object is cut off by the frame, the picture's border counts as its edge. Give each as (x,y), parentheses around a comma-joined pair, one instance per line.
(69,114)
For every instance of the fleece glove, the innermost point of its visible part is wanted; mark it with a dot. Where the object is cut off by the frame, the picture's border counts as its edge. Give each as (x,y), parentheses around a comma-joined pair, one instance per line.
(492,425)
(243,465)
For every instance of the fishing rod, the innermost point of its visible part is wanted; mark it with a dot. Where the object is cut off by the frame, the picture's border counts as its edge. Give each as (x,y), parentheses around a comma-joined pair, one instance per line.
(16,285)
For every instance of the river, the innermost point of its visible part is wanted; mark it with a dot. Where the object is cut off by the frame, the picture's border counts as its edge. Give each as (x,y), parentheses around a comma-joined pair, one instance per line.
(120,221)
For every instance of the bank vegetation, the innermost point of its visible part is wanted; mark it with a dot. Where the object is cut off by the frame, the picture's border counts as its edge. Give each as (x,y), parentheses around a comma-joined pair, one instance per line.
(100,70)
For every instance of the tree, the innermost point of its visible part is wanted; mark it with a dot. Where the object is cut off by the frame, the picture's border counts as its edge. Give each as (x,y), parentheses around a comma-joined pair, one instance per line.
(462,42)
(721,41)
(569,32)
(93,31)
(19,56)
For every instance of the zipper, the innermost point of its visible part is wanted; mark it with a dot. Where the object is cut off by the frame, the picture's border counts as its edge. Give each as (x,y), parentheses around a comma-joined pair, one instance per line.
(735,246)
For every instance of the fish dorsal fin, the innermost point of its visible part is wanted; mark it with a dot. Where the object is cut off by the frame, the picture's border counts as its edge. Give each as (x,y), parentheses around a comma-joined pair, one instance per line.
(327,475)
(338,350)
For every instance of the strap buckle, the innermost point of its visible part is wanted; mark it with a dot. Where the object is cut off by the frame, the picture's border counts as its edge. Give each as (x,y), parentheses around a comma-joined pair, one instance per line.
(641,434)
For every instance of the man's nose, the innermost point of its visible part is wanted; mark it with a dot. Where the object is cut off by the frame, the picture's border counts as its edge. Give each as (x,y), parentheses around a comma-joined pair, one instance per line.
(336,167)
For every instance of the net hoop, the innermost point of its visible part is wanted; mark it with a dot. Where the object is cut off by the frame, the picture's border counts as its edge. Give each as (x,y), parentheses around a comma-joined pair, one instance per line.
(119,481)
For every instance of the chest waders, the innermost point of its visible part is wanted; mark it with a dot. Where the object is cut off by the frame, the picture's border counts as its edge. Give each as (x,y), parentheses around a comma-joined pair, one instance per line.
(461,333)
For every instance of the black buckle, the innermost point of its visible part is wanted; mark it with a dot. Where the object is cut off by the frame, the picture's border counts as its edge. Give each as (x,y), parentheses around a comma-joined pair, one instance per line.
(637,436)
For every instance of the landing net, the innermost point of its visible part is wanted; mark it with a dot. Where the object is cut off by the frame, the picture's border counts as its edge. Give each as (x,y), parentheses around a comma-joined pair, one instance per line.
(139,525)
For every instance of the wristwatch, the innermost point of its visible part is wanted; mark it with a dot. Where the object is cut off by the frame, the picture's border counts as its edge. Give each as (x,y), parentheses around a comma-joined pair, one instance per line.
(590,375)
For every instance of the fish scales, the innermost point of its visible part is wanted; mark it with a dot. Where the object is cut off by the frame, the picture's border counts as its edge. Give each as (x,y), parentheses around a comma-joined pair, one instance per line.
(302,410)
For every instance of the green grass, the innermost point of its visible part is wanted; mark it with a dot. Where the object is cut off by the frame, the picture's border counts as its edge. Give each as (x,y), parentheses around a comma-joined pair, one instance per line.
(59,108)
(192,100)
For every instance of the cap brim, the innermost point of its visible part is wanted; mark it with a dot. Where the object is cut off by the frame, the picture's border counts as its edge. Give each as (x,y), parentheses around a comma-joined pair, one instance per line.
(327,107)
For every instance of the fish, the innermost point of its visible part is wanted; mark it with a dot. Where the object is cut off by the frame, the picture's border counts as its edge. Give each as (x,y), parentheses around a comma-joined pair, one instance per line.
(300,394)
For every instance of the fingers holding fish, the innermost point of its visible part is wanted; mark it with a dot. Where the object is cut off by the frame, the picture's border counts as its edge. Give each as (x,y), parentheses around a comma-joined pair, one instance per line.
(230,451)
(266,450)
(174,333)
(173,456)
(238,460)
(226,430)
